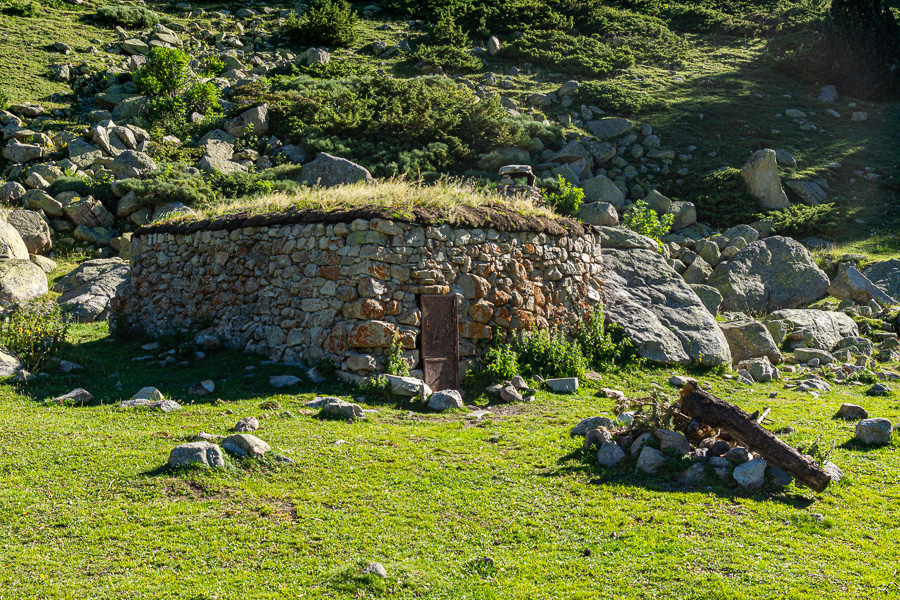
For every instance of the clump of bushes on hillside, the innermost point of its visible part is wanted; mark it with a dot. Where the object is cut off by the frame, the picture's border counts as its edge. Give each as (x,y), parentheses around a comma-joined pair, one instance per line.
(132,17)
(721,197)
(800,220)
(611,96)
(416,126)
(642,219)
(167,78)
(577,55)
(22,8)
(327,23)
(448,47)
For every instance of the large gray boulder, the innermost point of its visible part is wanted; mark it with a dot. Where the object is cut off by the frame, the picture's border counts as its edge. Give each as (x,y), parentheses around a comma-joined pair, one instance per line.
(11,193)
(21,281)
(34,230)
(87,290)
(254,121)
(818,328)
(609,128)
(854,285)
(22,153)
(11,243)
(132,164)
(750,339)
(662,315)
(330,171)
(760,173)
(602,189)
(886,275)
(770,274)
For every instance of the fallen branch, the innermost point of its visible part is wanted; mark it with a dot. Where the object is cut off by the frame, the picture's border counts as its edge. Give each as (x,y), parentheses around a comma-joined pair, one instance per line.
(706,408)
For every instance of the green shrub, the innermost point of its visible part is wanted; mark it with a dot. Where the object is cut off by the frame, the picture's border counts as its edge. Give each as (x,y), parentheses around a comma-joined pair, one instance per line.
(327,23)
(213,66)
(35,331)
(578,55)
(800,220)
(549,354)
(239,185)
(394,126)
(611,96)
(394,364)
(501,362)
(642,219)
(602,344)
(132,17)
(22,8)
(450,58)
(701,19)
(333,69)
(99,188)
(172,183)
(721,197)
(447,33)
(567,199)
(166,73)
(203,98)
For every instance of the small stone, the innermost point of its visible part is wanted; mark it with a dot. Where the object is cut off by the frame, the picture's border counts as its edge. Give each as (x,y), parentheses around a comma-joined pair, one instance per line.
(509,394)
(650,460)
(375,569)
(851,412)
(590,424)
(204,388)
(693,475)
(247,424)
(341,409)
(638,444)
(878,389)
(244,444)
(203,454)
(874,431)
(751,474)
(610,454)
(280,381)
(562,385)
(673,441)
(737,456)
(833,471)
(445,400)
(76,396)
(66,366)
(779,477)
(518,382)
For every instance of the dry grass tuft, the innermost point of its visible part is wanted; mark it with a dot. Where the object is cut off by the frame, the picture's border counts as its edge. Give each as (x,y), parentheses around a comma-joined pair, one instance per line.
(394,195)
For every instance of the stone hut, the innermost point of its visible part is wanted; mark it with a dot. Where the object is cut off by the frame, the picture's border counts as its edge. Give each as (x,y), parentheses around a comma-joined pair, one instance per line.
(306,286)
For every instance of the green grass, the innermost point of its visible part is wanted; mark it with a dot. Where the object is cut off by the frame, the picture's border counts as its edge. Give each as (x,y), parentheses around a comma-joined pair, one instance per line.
(90,512)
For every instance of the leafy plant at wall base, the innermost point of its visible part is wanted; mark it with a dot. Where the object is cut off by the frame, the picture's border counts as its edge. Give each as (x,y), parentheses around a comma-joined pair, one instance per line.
(394,364)
(35,331)
(643,220)
(602,344)
(549,354)
(567,200)
(501,361)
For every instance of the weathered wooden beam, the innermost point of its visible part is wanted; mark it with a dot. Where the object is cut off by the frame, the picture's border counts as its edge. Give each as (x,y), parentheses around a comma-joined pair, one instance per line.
(715,412)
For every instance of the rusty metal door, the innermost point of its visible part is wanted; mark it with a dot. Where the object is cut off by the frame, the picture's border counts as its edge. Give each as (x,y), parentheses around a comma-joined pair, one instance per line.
(440,341)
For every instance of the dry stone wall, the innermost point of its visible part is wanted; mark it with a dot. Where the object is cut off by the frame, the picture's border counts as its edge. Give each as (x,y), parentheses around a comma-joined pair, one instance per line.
(307,291)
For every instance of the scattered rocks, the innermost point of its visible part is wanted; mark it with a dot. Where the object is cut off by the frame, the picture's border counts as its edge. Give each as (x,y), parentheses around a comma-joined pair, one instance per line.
(408,387)
(590,424)
(672,441)
(749,339)
(857,287)
(204,388)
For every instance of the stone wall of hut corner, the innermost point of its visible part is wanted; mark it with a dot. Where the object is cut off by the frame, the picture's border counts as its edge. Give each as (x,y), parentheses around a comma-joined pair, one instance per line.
(304,292)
